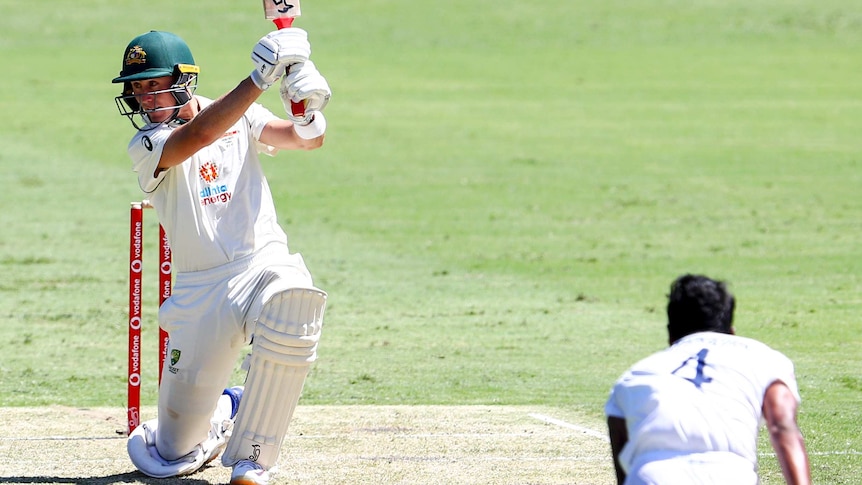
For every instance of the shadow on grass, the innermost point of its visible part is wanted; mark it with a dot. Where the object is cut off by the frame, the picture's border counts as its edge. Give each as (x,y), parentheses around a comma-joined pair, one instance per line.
(131,477)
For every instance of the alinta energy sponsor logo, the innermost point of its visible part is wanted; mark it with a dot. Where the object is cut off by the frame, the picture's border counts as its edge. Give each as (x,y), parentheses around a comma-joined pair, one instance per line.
(214,192)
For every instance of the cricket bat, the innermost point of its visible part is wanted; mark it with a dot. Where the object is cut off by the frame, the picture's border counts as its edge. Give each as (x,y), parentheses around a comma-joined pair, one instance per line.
(282,13)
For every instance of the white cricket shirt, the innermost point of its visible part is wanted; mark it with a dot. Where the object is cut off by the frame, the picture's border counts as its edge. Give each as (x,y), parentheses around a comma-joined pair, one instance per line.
(703,394)
(216,206)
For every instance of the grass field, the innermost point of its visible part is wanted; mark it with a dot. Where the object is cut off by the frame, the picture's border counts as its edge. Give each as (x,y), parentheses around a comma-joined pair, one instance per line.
(505,194)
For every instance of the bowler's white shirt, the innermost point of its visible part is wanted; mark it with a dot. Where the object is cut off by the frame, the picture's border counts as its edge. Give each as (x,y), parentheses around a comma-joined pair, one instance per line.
(702,396)
(216,206)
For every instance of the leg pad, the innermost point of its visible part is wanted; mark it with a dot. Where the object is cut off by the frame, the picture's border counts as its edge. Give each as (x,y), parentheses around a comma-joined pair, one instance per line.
(285,345)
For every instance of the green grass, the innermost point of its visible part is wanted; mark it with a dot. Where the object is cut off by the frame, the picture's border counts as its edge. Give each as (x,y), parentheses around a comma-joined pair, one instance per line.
(505,194)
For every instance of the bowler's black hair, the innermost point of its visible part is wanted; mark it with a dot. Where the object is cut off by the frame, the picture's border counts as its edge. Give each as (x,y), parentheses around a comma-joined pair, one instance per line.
(698,304)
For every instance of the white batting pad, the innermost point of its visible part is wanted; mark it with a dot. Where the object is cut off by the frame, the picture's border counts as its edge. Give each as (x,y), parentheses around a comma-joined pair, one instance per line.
(285,345)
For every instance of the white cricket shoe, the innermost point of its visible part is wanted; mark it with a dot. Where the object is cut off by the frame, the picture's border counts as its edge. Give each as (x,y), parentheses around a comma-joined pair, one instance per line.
(247,472)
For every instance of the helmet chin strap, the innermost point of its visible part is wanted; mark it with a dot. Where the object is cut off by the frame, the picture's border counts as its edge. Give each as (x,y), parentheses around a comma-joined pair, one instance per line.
(147,121)
(188,97)
(173,118)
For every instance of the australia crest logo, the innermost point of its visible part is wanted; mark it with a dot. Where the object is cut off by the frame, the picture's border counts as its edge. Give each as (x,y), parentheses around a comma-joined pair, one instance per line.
(136,55)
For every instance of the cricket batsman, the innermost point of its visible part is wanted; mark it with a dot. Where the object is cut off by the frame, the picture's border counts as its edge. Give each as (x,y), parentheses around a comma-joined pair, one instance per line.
(236,283)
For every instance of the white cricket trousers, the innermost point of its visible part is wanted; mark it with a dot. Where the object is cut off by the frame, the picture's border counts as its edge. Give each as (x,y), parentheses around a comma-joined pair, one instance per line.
(210,317)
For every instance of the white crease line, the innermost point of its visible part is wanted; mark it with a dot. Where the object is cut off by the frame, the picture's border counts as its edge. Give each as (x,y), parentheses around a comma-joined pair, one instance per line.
(819,453)
(446,458)
(468,458)
(63,438)
(403,435)
(580,429)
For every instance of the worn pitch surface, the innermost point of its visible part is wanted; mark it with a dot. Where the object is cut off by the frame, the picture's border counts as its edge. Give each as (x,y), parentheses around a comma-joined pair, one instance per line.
(331,445)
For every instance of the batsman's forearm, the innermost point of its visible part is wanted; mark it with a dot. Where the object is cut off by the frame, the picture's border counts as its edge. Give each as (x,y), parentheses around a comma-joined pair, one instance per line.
(216,118)
(209,124)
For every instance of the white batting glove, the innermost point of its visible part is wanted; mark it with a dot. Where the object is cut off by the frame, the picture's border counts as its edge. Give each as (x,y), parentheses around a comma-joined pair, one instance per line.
(275,51)
(304,84)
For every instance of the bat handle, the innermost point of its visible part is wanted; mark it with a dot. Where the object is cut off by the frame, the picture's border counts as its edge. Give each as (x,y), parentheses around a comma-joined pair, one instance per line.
(283,22)
(297,108)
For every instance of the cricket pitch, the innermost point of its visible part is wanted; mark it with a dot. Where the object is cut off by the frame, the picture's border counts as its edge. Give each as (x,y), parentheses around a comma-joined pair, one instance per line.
(331,445)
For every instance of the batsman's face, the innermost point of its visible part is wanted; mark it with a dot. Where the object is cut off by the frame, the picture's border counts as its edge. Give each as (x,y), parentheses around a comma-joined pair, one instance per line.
(155,97)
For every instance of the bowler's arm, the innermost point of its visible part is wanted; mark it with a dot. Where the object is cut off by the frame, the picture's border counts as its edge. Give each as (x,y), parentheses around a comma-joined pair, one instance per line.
(779,411)
(619,436)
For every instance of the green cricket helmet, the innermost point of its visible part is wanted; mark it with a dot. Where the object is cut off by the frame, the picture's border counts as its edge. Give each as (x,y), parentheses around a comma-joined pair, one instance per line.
(151,55)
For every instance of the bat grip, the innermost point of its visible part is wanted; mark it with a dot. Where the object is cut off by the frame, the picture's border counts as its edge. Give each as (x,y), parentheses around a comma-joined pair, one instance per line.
(297,108)
(283,22)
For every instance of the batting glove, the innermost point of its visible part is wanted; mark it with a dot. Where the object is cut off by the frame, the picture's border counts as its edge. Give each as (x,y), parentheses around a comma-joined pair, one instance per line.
(304,84)
(275,51)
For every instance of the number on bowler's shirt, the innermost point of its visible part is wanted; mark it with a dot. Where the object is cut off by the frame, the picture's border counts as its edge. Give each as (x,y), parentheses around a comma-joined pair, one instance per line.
(699,378)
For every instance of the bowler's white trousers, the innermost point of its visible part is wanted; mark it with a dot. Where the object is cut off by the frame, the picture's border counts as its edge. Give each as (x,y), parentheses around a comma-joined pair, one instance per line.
(674,468)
